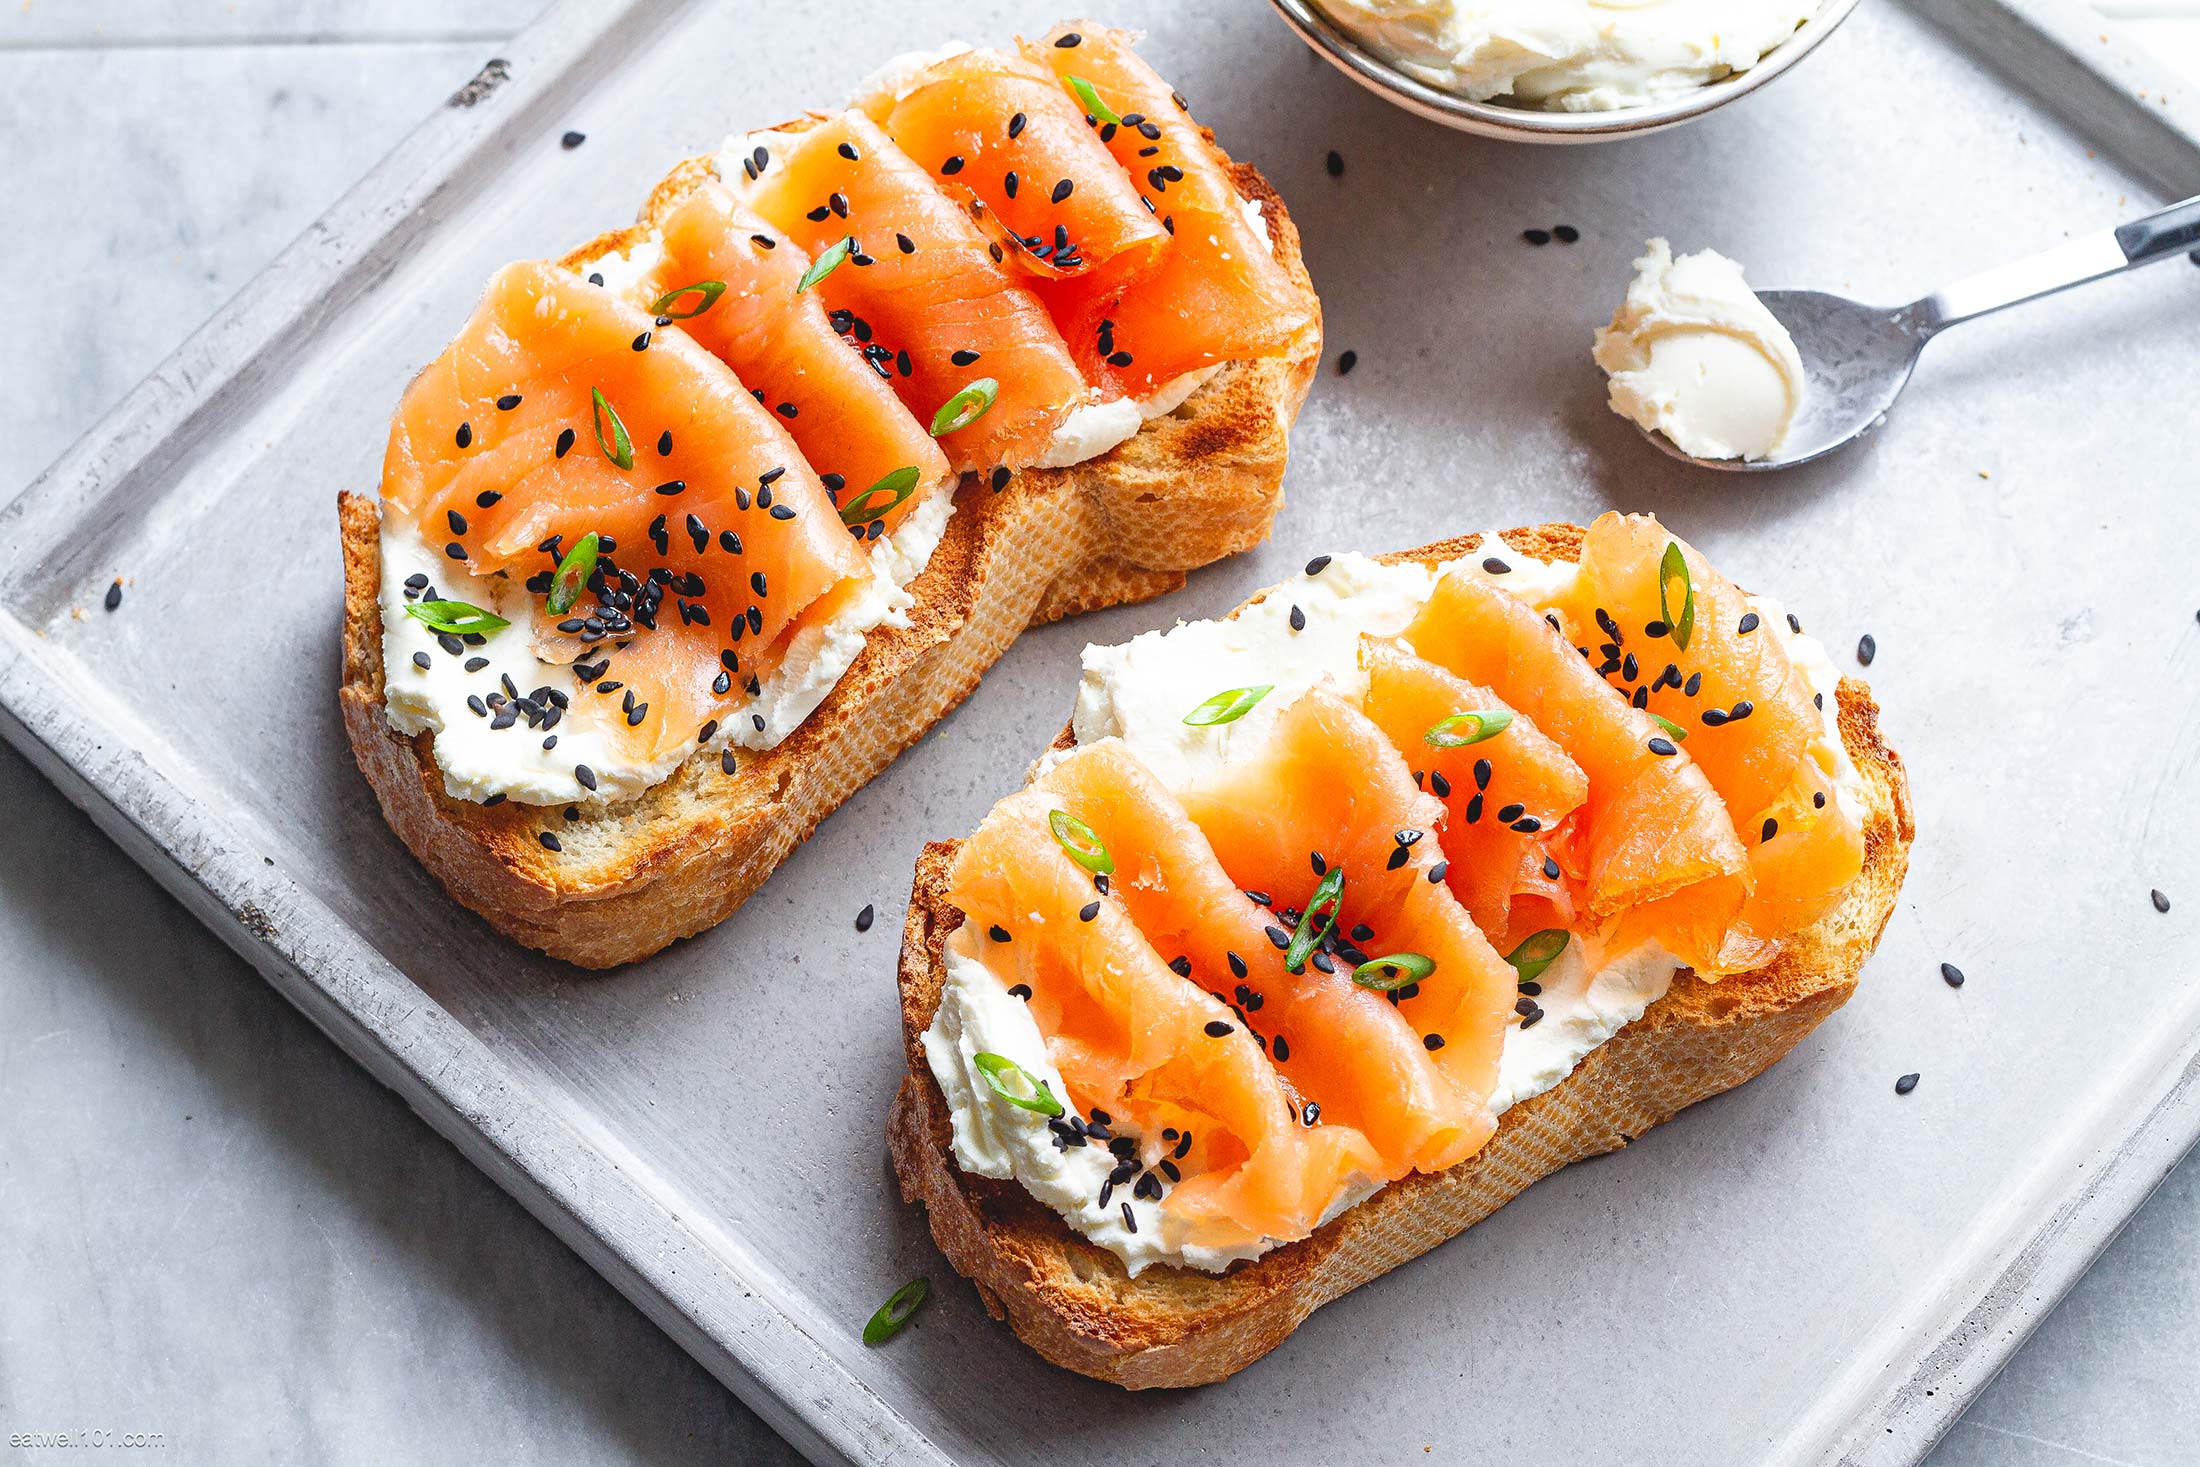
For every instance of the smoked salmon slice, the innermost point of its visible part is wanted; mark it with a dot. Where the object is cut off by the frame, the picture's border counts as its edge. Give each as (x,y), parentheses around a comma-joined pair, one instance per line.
(1344,1050)
(917,288)
(1507,787)
(1653,835)
(1151,1049)
(1326,798)
(1217,294)
(731,281)
(1000,126)
(1748,713)
(542,423)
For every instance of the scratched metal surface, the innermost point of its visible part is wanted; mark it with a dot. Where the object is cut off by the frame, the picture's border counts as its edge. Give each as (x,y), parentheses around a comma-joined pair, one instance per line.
(1809,1268)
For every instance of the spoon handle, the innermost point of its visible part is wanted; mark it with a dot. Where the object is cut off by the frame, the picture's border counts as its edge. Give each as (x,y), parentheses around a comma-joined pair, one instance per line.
(2157,236)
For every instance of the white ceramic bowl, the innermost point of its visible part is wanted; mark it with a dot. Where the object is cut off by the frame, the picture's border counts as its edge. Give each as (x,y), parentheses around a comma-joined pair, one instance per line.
(1336,45)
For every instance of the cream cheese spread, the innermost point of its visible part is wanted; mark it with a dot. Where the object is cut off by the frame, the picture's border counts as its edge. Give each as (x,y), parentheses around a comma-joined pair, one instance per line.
(1138,692)
(1571,55)
(1693,354)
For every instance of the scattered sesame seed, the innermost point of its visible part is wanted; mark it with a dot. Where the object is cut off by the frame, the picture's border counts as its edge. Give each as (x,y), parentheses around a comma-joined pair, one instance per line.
(565,443)
(550,841)
(1495,566)
(2161,902)
(1335,163)
(1866,649)
(1068,40)
(1317,565)
(1217,1028)
(1062,190)
(863,918)
(1565,233)
(1347,361)
(1951,975)
(465,435)
(1298,619)
(1432,1042)
(114,595)
(572,140)
(1906,1084)
(1536,236)
(1088,911)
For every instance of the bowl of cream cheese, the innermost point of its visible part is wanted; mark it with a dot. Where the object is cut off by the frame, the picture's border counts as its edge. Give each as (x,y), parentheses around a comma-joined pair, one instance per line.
(1562,71)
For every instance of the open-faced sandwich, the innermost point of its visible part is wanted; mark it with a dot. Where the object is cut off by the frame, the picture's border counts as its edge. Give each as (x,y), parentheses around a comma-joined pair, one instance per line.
(686,535)
(1327,928)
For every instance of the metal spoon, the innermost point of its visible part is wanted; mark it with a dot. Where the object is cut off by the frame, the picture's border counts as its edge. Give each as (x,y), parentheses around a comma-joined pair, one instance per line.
(1857,358)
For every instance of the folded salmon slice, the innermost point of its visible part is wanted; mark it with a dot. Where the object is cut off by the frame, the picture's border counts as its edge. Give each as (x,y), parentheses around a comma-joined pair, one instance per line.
(1345,1050)
(1218,294)
(1747,711)
(919,290)
(1150,1048)
(725,538)
(1652,839)
(843,416)
(1505,794)
(1000,126)
(1326,792)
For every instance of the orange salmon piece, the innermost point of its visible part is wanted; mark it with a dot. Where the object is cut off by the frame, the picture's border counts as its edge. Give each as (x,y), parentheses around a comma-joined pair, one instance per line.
(940,314)
(1218,294)
(1343,1048)
(1150,1048)
(840,410)
(1652,828)
(1000,125)
(490,483)
(1327,791)
(1504,796)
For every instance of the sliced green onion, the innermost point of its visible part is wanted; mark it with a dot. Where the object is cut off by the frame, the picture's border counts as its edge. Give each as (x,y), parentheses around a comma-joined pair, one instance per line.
(1081,841)
(1538,952)
(1319,917)
(1228,706)
(1674,567)
(572,574)
(1029,1092)
(965,407)
(1669,726)
(709,290)
(1462,729)
(896,486)
(895,1312)
(456,617)
(620,448)
(826,263)
(1389,974)
(1096,109)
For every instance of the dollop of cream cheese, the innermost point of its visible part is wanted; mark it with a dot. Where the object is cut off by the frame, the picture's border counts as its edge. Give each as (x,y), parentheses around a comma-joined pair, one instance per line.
(1694,355)
(1139,692)
(1570,55)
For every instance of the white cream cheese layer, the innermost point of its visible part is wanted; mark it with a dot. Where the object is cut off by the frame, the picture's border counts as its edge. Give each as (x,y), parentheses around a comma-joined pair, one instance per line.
(1571,55)
(1139,692)
(480,760)
(1694,355)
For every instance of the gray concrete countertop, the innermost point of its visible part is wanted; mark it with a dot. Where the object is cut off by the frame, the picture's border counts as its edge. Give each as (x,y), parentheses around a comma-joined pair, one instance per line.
(213,1227)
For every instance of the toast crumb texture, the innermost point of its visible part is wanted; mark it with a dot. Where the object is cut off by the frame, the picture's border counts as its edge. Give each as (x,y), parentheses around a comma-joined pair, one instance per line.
(1202,483)
(1073,1302)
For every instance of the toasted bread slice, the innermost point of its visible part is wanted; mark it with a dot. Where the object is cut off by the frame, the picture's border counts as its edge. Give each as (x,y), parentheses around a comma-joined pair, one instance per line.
(1072,1300)
(1201,483)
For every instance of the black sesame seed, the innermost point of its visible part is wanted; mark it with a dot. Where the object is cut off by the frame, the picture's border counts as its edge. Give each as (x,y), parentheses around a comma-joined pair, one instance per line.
(848,151)
(1298,619)
(863,918)
(725,761)
(1436,873)
(1906,1084)
(113,598)
(963,357)
(2161,902)
(572,140)
(1432,1042)
(465,435)
(1951,975)
(1346,361)
(1866,649)
(1335,163)
(641,342)
(1496,567)
(1771,828)
(1023,991)
(550,841)
(1016,125)
(423,661)
(1062,190)
(1001,475)
(1088,911)
(1008,183)
(1068,40)
(1565,233)
(1536,236)
(565,443)
(1317,565)
(1217,1028)
(1748,624)
(952,166)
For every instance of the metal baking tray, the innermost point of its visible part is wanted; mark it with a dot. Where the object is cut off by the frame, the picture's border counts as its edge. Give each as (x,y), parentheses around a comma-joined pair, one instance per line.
(1807,1269)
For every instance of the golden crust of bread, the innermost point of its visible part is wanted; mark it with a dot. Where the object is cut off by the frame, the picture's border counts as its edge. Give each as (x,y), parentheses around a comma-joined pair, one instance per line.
(1203,482)
(1073,1302)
